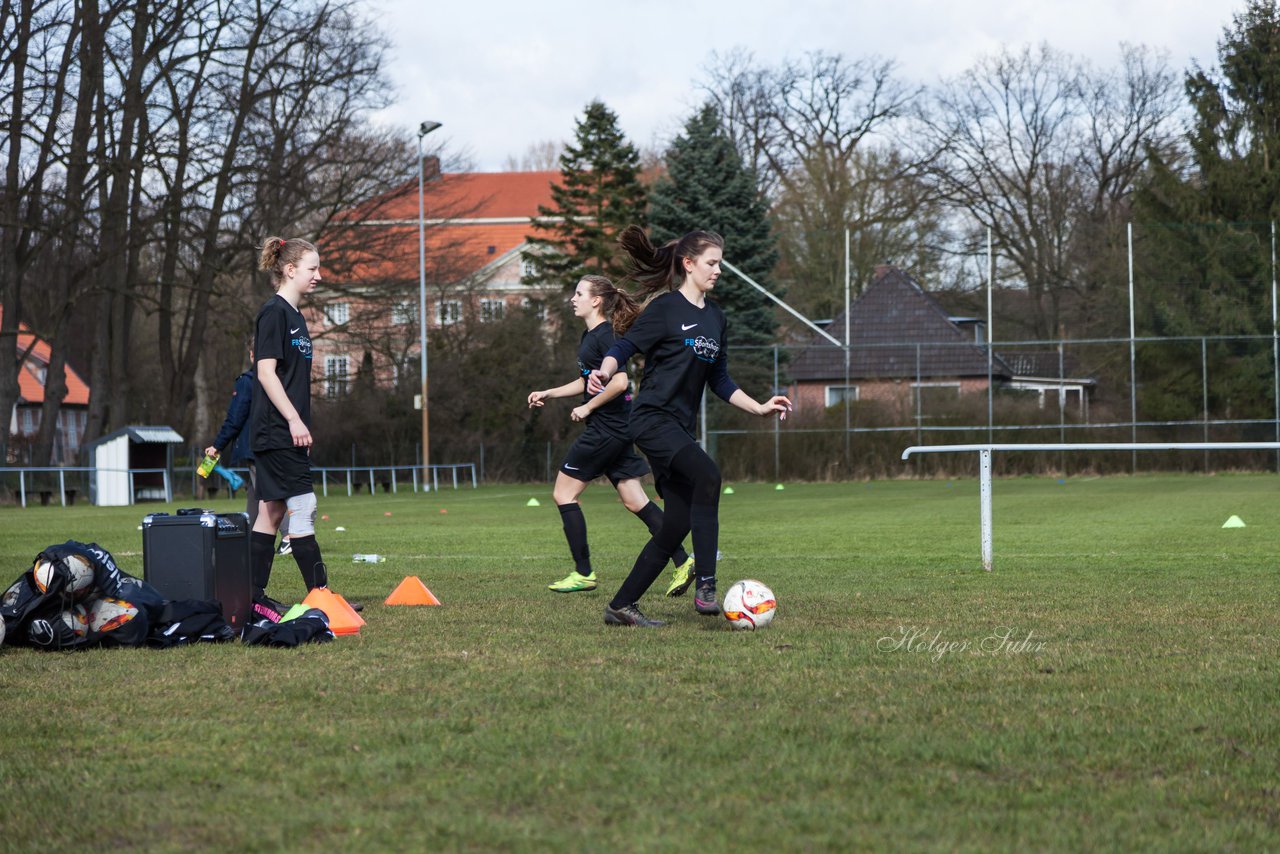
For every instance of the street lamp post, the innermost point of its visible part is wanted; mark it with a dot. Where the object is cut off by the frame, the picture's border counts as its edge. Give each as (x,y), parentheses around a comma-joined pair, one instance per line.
(423,129)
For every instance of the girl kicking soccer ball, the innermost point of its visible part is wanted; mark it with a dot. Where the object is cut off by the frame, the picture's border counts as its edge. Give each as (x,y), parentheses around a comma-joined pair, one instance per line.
(684,339)
(604,448)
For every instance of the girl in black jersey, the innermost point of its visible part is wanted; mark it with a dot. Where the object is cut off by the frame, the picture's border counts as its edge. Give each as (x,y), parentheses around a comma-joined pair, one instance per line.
(685,344)
(280,418)
(605,446)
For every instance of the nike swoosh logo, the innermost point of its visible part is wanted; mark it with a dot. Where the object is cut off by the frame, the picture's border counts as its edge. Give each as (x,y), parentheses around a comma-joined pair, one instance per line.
(684,328)
(294,331)
(571,468)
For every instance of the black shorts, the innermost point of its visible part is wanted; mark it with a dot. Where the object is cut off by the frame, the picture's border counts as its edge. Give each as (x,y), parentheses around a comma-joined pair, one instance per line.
(660,440)
(283,473)
(597,453)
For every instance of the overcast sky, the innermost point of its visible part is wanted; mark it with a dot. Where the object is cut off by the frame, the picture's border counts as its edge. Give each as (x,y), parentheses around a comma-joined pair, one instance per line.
(505,74)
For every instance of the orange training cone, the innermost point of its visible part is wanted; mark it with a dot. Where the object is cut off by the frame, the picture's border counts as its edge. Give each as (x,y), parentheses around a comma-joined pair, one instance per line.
(340,616)
(412,591)
(343,600)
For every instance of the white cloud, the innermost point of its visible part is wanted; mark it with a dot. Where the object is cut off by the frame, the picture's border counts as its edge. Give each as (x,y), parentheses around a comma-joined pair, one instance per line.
(502,75)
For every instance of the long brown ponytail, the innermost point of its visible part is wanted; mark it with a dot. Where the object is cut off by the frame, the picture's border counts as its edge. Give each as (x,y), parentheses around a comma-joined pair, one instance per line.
(659,267)
(277,253)
(619,307)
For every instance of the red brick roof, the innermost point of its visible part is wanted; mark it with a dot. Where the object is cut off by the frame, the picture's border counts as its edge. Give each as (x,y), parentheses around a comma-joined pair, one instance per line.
(473,218)
(30,388)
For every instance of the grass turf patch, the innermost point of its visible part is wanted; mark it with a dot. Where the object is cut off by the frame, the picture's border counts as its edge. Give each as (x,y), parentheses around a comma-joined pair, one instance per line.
(1111,684)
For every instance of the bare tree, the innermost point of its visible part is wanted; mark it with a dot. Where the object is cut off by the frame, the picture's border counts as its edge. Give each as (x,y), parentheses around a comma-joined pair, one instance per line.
(821,134)
(1044,150)
(149,147)
(37,54)
(542,156)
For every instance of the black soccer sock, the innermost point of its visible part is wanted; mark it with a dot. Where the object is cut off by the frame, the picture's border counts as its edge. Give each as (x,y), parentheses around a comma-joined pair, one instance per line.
(575,531)
(693,464)
(706,538)
(306,552)
(262,548)
(653,557)
(651,515)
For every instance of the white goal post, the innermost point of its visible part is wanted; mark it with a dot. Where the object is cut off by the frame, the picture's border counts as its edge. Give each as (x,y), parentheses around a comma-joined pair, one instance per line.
(984,464)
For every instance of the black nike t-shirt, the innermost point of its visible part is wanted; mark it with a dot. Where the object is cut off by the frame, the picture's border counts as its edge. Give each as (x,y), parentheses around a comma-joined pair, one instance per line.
(280,333)
(614,416)
(684,347)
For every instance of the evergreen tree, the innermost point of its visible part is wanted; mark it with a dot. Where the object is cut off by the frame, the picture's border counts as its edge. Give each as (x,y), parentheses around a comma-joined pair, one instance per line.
(708,187)
(1214,216)
(1204,225)
(599,194)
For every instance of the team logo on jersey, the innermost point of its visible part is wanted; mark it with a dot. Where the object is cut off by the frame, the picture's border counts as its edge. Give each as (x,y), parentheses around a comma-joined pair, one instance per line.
(706,349)
(302,345)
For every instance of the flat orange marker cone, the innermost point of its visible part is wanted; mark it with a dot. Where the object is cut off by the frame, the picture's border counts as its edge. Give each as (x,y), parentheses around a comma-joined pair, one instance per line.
(343,600)
(411,591)
(340,616)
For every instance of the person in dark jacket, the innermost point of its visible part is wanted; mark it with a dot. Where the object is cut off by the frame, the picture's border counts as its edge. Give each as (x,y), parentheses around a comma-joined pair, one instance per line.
(234,434)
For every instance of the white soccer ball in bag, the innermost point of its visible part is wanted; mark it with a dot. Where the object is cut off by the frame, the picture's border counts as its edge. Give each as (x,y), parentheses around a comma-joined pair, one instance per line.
(81,574)
(76,620)
(106,614)
(749,605)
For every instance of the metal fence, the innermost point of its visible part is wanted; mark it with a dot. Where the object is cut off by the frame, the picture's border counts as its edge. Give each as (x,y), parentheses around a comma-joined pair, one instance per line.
(68,483)
(853,422)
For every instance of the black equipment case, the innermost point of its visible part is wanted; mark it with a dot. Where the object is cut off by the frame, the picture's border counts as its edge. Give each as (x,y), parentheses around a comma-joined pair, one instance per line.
(200,554)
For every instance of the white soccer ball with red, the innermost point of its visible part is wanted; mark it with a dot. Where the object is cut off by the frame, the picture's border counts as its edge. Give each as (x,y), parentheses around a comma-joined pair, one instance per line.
(75,620)
(748,604)
(108,614)
(79,573)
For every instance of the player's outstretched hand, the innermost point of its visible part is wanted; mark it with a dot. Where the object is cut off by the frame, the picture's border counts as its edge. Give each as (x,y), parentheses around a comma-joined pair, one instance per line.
(537,398)
(580,413)
(596,381)
(779,404)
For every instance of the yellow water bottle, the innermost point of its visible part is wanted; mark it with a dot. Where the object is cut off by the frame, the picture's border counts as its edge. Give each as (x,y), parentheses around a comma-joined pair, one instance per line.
(207,464)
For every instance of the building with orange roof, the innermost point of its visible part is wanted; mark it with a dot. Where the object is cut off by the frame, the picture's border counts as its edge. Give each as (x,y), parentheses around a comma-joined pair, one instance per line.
(24,421)
(475,226)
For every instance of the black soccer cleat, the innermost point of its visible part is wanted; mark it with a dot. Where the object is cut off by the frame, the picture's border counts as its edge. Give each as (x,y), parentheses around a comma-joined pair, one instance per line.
(704,600)
(629,615)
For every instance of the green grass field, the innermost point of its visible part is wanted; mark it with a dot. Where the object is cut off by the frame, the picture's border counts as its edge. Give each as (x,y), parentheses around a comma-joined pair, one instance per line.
(1111,685)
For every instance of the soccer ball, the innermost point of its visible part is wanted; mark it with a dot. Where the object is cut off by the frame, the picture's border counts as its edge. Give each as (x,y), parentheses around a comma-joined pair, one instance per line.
(79,574)
(1,631)
(76,621)
(107,614)
(749,605)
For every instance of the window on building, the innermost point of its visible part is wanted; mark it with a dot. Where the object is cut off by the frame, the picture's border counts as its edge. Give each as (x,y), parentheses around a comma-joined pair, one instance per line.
(492,309)
(338,313)
(837,394)
(537,306)
(527,268)
(934,395)
(336,375)
(448,312)
(404,313)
